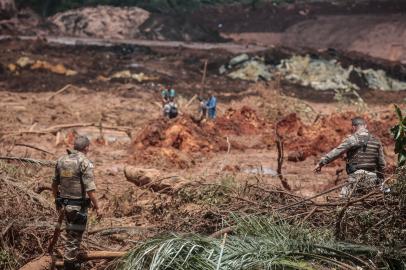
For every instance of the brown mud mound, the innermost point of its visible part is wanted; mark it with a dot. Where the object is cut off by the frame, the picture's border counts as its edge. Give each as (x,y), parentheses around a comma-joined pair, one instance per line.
(129,23)
(101,21)
(327,132)
(244,121)
(177,141)
(183,140)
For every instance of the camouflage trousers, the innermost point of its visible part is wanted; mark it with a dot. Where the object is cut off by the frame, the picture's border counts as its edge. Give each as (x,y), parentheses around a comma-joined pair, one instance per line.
(365,180)
(74,233)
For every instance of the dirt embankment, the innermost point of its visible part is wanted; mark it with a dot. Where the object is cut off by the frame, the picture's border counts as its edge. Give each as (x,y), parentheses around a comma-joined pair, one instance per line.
(374,28)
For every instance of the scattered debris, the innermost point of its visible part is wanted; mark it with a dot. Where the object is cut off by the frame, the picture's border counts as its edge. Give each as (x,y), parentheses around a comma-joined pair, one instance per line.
(321,74)
(126,74)
(239,59)
(58,68)
(317,73)
(253,70)
(377,79)
(26,62)
(243,68)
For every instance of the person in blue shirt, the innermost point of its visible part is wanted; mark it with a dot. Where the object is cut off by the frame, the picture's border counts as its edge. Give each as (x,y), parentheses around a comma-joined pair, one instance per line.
(211,106)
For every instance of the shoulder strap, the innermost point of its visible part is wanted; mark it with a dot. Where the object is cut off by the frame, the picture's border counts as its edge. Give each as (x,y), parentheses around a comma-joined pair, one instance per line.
(82,186)
(365,143)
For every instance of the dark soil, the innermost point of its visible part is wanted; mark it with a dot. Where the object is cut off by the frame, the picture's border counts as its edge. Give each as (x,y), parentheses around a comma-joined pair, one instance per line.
(267,17)
(178,66)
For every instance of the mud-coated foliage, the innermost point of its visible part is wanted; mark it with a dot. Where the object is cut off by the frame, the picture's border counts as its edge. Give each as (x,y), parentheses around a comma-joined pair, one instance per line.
(399,134)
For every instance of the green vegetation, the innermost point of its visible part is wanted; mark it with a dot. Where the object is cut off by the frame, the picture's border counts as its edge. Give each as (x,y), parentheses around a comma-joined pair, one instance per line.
(257,243)
(399,134)
(7,261)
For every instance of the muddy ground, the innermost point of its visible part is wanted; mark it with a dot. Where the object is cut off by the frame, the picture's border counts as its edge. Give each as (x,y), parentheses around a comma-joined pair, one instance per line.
(373,28)
(132,105)
(200,170)
(44,86)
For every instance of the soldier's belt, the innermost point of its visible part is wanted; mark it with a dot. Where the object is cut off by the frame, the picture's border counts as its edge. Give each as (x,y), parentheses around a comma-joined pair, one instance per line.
(75,202)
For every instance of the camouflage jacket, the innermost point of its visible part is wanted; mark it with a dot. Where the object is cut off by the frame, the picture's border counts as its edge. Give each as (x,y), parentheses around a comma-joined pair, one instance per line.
(68,171)
(370,157)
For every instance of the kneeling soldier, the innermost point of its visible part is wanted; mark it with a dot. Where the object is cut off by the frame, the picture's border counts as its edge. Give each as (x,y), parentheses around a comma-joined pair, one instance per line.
(74,191)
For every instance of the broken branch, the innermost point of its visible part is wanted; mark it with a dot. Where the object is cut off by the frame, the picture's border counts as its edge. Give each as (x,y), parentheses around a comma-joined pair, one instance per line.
(56,129)
(34,147)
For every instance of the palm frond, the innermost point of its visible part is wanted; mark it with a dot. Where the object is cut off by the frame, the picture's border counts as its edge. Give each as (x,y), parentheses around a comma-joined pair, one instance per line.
(258,243)
(35,162)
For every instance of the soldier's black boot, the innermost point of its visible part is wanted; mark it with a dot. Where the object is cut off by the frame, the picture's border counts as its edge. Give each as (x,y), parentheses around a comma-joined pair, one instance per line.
(71,265)
(68,265)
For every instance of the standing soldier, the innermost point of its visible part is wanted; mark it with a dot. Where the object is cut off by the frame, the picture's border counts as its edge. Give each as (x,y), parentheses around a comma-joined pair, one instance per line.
(74,191)
(365,161)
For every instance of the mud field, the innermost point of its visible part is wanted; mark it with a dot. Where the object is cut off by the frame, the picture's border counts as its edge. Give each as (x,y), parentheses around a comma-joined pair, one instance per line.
(184,175)
(238,145)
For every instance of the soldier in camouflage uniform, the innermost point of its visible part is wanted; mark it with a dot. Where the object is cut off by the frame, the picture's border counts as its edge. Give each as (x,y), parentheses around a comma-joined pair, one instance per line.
(365,161)
(74,191)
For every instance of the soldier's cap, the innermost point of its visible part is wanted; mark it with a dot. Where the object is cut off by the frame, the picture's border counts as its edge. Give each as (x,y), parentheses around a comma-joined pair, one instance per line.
(80,143)
(358,121)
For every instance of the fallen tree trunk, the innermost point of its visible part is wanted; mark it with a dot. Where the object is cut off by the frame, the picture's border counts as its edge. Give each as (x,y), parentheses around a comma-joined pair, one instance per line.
(44,262)
(153,179)
(34,147)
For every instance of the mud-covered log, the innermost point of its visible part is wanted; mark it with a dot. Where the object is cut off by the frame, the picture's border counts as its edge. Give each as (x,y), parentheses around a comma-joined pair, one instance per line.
(44,262)
(140,176)
(153,179)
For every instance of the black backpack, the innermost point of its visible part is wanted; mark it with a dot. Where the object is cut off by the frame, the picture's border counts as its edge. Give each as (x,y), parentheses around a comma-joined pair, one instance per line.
(173,112)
